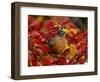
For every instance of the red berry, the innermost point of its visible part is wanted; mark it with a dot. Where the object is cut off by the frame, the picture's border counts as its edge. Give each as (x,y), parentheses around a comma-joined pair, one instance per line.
(45,48)
(47,60)
(49,24)
(30,19)
(72,61)
(35,25)
(35,63)
(65,20)
(62,61)
(82,59)
(34,34)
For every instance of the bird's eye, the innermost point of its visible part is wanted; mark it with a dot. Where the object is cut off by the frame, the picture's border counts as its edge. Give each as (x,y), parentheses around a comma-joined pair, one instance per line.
(64,27)
(61,28)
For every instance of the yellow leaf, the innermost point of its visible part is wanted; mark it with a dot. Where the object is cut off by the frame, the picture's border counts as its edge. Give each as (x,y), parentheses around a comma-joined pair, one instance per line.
(72,51)
(66,30)
(75,30)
